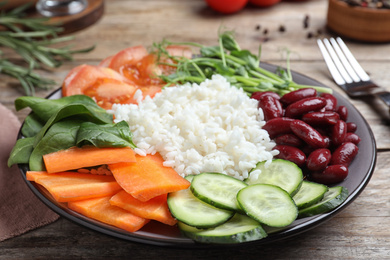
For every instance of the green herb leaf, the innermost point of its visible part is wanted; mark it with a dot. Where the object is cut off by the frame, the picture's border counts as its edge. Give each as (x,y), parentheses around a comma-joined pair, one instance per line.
(32,40)
(108,135)
(60,136)
(21,151)
(240,67)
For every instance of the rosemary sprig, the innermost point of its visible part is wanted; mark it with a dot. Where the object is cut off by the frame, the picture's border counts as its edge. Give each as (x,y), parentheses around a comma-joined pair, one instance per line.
(27,78)
(36,42)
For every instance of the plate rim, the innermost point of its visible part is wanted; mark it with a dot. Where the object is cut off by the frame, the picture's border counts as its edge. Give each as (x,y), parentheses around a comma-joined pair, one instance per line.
(184,242)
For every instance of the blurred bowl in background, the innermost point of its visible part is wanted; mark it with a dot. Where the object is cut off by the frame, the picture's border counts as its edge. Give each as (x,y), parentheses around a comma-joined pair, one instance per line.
(359,23)
(15,3)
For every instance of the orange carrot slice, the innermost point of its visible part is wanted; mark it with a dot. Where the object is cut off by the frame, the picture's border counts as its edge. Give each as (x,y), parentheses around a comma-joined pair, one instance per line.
(156,208)
(101,210)
(72,186)
(148,177)
(75,158)
(34,175)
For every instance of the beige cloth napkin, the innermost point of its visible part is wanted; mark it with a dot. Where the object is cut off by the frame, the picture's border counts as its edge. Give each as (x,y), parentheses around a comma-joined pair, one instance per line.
(20,209)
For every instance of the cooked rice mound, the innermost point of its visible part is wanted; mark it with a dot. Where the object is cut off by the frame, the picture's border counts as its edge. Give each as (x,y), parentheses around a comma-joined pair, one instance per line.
(207,127)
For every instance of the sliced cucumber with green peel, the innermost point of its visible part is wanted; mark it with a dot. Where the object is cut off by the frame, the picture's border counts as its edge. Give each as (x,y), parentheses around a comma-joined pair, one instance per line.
(268,204)
(285,174)
(310,193)
(217,189)
(185,207)
(238,229)
(333,198)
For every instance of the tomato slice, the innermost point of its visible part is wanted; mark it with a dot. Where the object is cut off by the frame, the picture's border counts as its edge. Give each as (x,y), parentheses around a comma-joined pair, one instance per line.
(84,76)
(141,67)
(106,62)
(178,50)
(128,56)
(107,91)
(104,85)
(150,91)
(117,77)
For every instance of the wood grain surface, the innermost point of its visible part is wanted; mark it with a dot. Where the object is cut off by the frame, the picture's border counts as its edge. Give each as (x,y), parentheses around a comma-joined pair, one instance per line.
(361,231)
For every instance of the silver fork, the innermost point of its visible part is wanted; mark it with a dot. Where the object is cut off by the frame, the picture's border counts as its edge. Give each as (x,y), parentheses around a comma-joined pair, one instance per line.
(347,72)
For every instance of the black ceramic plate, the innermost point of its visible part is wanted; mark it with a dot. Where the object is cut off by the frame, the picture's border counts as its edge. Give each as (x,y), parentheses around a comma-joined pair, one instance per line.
(155,233)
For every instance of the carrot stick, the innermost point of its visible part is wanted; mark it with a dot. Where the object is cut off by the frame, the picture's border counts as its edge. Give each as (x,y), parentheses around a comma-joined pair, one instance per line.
(72,186)
(155,208)
(34,175)
(101,209)
(75,158)
(148,177)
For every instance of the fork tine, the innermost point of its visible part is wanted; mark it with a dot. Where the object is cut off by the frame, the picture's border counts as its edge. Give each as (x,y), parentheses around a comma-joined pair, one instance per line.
(355,64)
(344,61)
(337,62)
(331,66)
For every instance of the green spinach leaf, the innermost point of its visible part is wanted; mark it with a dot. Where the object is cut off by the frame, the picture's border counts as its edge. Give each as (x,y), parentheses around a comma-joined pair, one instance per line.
(84,112)
(60,136)
(21,151)
(108,135)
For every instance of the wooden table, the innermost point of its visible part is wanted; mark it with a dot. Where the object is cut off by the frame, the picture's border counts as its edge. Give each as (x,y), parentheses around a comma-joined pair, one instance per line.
(361,231)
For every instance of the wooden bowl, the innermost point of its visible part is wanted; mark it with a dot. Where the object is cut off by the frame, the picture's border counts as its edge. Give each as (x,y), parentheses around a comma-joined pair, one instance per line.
(359,23)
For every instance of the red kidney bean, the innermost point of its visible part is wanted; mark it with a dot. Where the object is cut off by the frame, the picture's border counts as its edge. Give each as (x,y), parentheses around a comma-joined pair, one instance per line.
(353,138)
(271,107)
(327,140)
(307,150)
(351,127)
(344,154)
(257,95)
(296,95)
(278,126)
(308,134)
(318,159)
(321,118)
(331,101)
(291,153)
(324,130)
(288,139)
(304,106)
(343,112)
(339,131)
(331,175)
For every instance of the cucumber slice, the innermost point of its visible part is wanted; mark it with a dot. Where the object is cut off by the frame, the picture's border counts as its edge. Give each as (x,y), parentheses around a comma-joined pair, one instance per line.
(217,189)
(332,199)
(310,193)
(285,174)
(238,229)
(268,204)
(185,207)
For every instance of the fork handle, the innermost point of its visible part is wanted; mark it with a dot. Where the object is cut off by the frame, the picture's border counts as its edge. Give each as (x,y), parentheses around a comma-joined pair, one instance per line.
(384,96)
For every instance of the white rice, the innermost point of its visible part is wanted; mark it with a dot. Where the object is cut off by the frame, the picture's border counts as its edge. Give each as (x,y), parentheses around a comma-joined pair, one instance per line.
(210,127)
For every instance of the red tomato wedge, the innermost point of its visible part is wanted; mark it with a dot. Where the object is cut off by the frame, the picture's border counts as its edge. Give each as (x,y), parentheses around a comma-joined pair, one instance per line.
(101,209)
(180,51)
(119,76)
(128,56)
(104,85)
(141,67)
(106,62)
(83,76)
(106,92)
(144,73)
